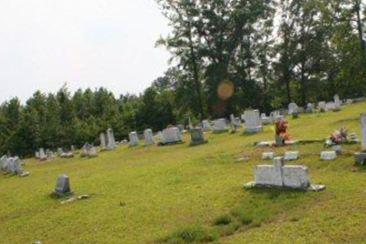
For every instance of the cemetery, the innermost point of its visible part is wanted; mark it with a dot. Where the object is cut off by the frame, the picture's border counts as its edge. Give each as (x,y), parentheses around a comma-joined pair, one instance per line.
(167,184)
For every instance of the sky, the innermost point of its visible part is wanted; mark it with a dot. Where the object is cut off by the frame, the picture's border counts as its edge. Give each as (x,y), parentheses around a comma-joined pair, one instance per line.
(84,43)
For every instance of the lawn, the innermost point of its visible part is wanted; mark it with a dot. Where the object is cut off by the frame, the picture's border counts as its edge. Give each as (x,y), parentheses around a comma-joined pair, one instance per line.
(176,193)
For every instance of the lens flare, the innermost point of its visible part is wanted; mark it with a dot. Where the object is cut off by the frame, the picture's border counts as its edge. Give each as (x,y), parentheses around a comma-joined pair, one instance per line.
(225,90)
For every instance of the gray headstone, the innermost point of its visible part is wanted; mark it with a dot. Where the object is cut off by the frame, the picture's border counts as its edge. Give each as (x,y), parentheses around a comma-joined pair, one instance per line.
(197,136)
(149,137)
(293,109)
(220,125)
(102,139)
(134,139)
(171,135)
(328,155)
(111,143)
(63,185)
(268,156)
(206,126)
(363,128)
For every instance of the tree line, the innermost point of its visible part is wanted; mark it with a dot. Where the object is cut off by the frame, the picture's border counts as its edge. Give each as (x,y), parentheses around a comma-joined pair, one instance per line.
(226,55)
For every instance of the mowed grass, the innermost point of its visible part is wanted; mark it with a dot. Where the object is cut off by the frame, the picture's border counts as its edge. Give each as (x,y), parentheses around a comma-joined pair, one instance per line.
(181,193)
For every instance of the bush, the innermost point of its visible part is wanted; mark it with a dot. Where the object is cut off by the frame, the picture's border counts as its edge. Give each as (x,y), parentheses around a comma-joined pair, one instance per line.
(192,234)
(223,220)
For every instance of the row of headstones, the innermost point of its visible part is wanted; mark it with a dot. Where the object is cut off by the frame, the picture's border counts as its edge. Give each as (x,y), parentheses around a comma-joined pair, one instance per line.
(170,135)
(295,155)
(323,106)
(12,165)
(49,155)
(253,122)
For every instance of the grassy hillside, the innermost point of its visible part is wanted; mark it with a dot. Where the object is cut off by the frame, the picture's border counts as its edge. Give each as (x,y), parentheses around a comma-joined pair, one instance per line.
(174,193)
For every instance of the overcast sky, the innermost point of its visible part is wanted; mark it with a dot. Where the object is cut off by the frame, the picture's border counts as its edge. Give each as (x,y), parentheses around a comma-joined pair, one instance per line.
(86,43)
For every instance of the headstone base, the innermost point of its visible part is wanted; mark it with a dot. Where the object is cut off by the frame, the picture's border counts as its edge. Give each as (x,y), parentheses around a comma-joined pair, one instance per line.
(220,131)
(170,143)
(360,158)
(315,188)
(253,130)
(196,143)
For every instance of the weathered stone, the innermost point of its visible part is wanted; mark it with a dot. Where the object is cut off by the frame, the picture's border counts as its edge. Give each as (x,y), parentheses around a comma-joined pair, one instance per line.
(291,156)
(265,120)
(63,186)
(102,140)
(111,143)
(328,155)
(220,126)
(171,135)
(149,138)
(295,176)
(337,103)
(197,137)
(293,109)
(360,158)
(322,106)
(42,155)
(253,123)
(268,155)
(279,175)
(134,139)
(206,126)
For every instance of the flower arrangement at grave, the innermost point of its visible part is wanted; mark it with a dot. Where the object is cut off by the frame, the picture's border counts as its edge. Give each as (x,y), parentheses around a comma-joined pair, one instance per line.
(341,136)
(282,135)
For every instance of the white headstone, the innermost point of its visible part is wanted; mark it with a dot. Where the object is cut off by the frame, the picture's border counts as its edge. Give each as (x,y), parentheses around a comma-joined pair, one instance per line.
(330,106)
(149,137)
(268,155)
(253,123)
(290,156)
(206,126)
(134,139)
(328,155)
(337,102)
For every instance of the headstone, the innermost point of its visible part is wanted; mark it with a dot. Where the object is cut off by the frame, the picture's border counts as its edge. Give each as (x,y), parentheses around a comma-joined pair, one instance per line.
(293,109)
(134,139)
(220,126)
(180,127)
(206,126)
(63,186)
(309,108)
(197,137)
(111,143)
(235,122)
(253,123)
(265,120)
(291,156)
(50,155)
(361,157)
(322,106)
(148,135)
(337,103)
(171,135)
(60,151)
(330,106)
(275,116)
(85,150)
(102,139)
(93,152)
(328,155)
(42,155)
(37,155)
(268,155)
(280,175)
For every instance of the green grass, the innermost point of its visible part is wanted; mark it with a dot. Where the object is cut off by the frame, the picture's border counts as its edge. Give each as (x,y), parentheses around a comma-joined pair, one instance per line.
(183,194)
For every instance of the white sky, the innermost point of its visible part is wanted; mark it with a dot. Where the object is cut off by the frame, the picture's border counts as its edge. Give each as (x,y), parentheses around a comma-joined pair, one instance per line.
(86,43)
